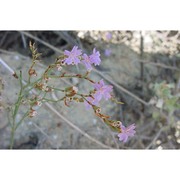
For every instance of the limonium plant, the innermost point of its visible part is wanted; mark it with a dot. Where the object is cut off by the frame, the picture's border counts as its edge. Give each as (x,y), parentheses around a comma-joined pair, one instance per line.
(42,84)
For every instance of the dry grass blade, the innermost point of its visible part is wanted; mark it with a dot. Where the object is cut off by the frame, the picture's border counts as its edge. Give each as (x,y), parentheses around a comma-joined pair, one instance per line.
(47,136)
(156,136)
(159,65)
(41,41)
(14,54)
(154,139)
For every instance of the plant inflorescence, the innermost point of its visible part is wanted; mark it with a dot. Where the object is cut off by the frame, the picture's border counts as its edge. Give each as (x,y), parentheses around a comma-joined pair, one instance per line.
(42,84)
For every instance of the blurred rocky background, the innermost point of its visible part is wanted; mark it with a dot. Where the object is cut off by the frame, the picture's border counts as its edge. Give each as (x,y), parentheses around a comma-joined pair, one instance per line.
(142,66)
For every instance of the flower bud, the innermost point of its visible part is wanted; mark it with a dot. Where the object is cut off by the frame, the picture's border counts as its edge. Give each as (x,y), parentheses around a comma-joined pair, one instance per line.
(37,105)
(96,109)
(71,91)
(116,124)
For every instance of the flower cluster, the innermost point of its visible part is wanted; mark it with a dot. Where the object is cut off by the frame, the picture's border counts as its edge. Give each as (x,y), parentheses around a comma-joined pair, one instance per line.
(42,84)
(101,91)
(74,57)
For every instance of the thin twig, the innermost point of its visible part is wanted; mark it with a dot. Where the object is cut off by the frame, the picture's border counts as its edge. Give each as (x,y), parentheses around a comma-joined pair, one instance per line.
(47,136)
(14,53)
(41,41)
(155,138)
(158,64)
(24,41)
(112,135)
(142,66)
(64,35)
(6,66)
(3,38)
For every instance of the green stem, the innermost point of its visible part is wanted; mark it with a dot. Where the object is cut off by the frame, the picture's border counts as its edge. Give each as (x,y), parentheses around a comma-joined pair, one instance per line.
(17,105)
(20,121)
(12,136)
(31,84)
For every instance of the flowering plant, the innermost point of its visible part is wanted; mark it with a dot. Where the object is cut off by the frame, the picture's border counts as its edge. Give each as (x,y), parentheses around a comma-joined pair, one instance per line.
(42,84)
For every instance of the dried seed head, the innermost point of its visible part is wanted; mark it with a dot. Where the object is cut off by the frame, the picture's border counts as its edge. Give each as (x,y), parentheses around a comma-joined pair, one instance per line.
(71,91)
(46,78)
(38,103)
(98,110)
(32,113)
(15,75)
(59,67)
(63,62)
(75,89)
(23,101)
(116,124)
(32,72)
(44,87)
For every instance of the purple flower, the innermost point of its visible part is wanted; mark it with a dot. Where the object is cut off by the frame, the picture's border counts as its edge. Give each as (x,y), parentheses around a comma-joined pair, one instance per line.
(95,57)
(107,52)
(72,56)
(93,101)
(102,90)
(87,62)
(126,132)
(108,36)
